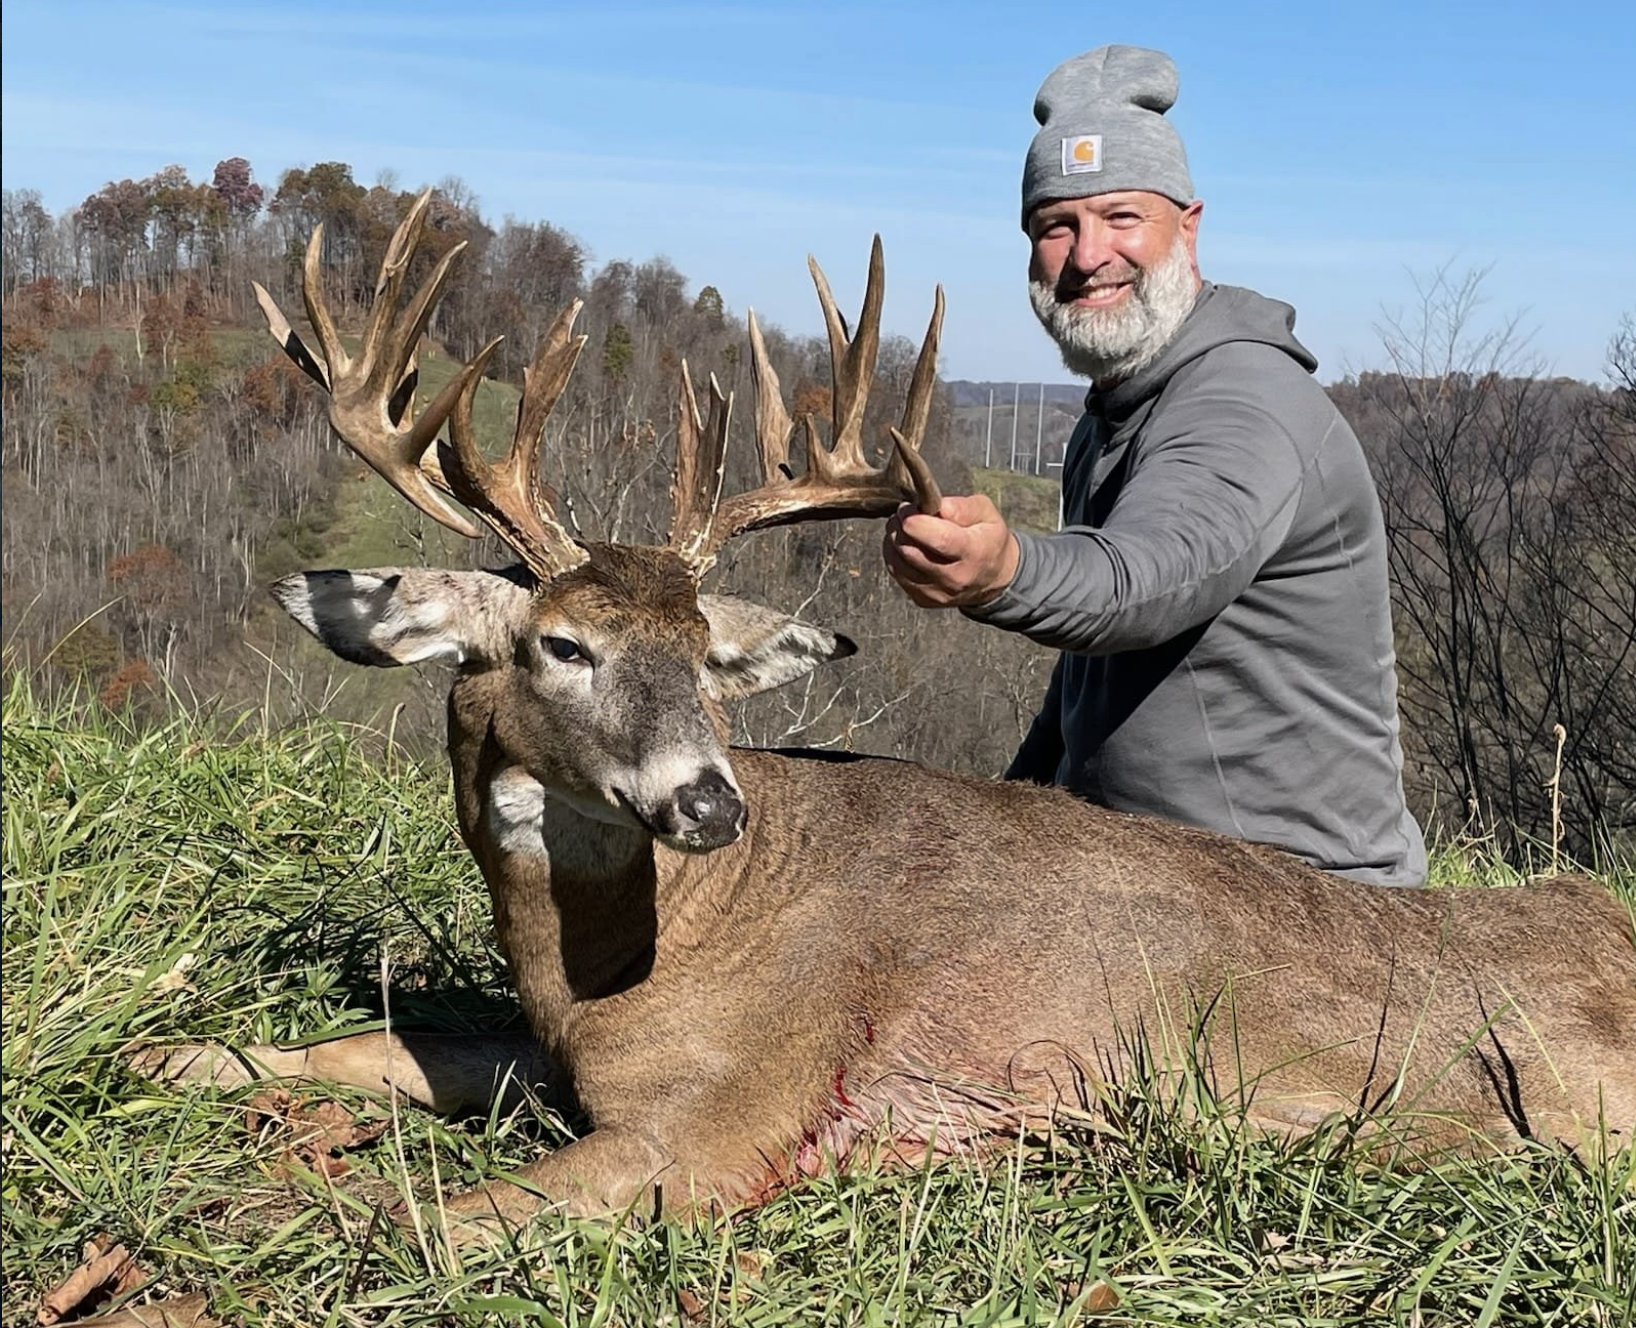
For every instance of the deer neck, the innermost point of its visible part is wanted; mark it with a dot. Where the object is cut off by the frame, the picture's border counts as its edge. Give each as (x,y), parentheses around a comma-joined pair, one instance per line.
(583,909)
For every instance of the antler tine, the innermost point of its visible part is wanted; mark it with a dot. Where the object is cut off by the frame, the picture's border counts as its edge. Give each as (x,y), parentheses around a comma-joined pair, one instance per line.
(852,363)
(370,397)
(838,481)
(917,409)
(312,295)
(509,495)
(543,383)
(701,461)
(773,423)
(389,344)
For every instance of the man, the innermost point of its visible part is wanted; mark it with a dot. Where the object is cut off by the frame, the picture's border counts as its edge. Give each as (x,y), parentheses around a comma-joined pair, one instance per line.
(1218,590)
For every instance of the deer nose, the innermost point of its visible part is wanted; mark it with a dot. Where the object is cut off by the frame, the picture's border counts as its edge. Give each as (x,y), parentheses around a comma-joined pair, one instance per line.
(714,808)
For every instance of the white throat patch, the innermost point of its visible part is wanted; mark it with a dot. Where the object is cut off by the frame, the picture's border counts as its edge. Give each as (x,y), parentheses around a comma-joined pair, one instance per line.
(516,812)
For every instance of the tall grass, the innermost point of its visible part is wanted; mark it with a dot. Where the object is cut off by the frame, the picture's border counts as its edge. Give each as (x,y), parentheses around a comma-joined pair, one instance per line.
(194,882)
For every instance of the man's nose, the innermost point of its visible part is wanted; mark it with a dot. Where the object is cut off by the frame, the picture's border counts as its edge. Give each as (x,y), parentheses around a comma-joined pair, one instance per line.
(1091,249)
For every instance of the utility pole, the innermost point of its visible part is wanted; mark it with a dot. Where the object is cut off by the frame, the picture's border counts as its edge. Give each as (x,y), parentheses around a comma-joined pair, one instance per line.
(1039,429)
(988,441)
(1016,397)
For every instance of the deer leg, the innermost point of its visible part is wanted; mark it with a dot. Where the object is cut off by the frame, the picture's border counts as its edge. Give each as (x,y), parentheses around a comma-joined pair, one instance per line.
(607,1172)
(445,1072)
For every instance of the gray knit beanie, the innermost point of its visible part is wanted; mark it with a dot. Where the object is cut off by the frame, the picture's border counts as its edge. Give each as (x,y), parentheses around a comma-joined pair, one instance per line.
(1103,129)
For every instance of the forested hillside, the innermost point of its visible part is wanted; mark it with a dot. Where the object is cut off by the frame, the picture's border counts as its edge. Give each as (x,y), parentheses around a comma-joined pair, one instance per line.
(163,461)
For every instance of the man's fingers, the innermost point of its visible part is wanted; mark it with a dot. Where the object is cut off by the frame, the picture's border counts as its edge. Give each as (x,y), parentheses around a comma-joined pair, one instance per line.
(909,566)
(923,581)
(940,540)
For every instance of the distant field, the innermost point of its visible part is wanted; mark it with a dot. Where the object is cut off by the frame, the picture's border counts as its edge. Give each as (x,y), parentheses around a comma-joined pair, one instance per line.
(199,882)
(1026,501)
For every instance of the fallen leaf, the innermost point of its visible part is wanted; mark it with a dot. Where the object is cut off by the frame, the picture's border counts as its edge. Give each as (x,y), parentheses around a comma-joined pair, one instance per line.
(176,978)
(318,1134)
(691,1305)
(106,1270)
(188,1311)
(1102,1297)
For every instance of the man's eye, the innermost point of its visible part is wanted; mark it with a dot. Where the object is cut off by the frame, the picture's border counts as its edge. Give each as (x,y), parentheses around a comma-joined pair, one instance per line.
(563,648)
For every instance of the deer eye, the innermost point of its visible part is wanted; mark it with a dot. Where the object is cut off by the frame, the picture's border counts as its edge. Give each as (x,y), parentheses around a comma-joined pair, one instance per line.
(563,648)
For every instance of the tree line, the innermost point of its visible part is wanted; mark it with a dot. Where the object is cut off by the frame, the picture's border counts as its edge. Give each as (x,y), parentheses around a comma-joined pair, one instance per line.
(162,461)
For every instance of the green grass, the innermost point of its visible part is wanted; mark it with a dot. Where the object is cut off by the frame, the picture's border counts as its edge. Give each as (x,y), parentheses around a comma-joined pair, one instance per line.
(292,865)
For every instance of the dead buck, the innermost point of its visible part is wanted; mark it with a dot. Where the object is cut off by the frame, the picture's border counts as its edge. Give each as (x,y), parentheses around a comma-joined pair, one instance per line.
(740,965)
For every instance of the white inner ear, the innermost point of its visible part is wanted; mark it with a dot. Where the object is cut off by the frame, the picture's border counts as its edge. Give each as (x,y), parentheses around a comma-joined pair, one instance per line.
(736,668)
(419,632)
(389,616)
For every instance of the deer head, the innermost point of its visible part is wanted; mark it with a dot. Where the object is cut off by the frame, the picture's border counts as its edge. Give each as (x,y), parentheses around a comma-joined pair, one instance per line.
(607,668)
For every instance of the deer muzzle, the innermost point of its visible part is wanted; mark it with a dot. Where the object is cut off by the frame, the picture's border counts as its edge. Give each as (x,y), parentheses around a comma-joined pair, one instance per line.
(702,815)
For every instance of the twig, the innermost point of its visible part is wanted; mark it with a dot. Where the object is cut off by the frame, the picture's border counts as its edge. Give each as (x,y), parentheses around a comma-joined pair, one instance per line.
(1554,784)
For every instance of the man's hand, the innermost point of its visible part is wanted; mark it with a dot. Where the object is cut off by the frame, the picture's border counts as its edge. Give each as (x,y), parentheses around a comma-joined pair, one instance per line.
(960,558)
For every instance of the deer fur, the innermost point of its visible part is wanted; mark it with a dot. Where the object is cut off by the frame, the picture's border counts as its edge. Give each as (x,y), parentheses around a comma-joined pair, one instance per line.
(888,955)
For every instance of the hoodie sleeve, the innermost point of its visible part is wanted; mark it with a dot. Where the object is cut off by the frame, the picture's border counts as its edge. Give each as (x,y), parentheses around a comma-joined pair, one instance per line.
(1210,497)
(1041,752)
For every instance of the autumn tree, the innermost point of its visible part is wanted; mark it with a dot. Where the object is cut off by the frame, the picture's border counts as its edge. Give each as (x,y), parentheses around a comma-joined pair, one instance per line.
(233,204)
(114,224)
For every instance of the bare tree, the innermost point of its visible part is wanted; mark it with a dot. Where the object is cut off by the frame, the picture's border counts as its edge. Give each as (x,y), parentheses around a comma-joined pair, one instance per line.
(1513,600)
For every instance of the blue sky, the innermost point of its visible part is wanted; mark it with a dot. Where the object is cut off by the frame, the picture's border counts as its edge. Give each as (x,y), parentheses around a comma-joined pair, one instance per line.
(1340,149)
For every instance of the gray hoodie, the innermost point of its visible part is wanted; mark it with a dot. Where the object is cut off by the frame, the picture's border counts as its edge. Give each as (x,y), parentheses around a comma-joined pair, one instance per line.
(1219,595)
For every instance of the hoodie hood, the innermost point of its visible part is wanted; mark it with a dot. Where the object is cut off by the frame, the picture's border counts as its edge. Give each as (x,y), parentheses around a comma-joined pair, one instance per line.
(1221,314)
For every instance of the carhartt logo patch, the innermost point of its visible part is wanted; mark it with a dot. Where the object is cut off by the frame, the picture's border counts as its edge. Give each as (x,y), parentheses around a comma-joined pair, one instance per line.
(1082,154)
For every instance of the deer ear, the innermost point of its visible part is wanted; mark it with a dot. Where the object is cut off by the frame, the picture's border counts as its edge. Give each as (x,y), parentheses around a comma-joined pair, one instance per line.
(392,616)
(754,649)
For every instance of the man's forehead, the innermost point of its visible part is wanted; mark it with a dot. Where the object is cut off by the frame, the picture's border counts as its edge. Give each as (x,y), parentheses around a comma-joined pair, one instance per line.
(1109,202)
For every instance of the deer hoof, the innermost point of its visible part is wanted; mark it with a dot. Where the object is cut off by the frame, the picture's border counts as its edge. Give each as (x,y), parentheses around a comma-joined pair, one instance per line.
(190,1063)
(491,1216)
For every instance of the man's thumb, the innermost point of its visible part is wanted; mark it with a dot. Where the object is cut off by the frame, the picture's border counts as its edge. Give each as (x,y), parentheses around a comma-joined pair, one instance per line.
(967,509)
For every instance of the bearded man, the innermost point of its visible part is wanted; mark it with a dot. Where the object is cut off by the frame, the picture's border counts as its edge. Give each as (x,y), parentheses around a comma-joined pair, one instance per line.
(1218,590)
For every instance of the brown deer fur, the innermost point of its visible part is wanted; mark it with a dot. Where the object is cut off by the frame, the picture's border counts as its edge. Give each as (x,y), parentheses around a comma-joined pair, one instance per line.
(893,953)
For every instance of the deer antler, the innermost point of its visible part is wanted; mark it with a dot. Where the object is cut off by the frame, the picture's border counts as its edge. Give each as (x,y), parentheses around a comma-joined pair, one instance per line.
(371,400)
(839,480)
(510,496)
(701,458)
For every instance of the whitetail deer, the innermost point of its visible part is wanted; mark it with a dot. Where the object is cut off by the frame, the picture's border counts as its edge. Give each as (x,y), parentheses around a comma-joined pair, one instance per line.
(742,964)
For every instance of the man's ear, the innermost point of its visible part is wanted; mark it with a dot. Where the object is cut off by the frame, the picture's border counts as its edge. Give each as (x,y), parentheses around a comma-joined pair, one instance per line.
(390,616)
(754,648)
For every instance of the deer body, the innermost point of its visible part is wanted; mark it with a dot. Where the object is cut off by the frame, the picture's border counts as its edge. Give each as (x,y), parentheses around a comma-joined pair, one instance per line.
(743,963)
(793,992)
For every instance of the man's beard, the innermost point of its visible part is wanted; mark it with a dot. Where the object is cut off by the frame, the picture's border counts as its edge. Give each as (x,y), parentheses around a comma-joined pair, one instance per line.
(1109,345)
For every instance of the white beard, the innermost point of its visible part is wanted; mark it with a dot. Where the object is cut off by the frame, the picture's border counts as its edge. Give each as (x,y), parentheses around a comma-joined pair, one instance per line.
(1109,345)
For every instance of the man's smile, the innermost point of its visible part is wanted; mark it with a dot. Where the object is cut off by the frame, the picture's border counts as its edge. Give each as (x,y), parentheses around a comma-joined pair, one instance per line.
(1100,297)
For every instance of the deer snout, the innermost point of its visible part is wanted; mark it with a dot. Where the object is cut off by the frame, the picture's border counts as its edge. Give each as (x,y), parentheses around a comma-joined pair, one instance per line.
(705,814)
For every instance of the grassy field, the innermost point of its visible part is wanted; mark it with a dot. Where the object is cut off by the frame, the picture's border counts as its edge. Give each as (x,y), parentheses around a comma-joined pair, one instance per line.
(1028,502)
(184,883)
